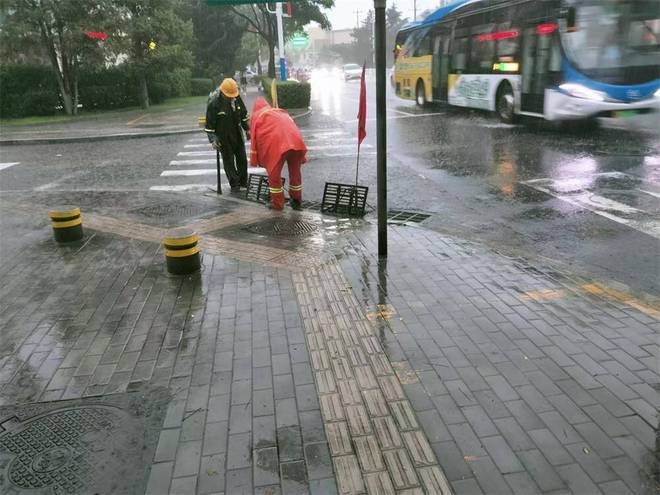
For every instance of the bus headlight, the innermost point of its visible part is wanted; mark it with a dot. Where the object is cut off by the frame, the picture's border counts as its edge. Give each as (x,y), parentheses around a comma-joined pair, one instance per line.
(580,91)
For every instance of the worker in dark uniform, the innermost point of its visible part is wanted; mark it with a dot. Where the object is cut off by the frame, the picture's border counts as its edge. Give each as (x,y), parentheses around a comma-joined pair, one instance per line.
(225,116)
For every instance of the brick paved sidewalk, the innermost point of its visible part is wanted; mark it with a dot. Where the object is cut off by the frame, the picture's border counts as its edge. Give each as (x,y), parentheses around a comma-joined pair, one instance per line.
(305,365)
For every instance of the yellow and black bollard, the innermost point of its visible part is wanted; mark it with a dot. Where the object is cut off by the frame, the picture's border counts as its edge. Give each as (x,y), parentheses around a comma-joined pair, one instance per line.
(66,223)
(181,251)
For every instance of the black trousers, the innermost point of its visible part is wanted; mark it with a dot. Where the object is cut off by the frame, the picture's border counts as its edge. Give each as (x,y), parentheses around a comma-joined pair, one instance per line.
(234,160)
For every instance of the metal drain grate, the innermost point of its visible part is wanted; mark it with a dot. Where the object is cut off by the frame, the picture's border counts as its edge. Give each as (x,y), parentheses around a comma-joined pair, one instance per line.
(282,227)
(257,189)
(398,216)
(312,205)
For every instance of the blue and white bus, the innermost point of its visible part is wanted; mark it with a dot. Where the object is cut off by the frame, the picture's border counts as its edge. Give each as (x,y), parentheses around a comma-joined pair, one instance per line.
(556,59)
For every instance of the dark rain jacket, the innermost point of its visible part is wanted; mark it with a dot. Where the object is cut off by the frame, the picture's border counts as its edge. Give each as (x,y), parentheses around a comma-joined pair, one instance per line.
(224,122)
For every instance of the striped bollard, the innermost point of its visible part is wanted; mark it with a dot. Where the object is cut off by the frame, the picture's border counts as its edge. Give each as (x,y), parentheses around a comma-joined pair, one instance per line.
(66,223)
(181,251)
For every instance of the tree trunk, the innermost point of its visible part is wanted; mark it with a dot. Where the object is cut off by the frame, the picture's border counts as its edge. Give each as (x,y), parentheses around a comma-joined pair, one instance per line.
(143,90)
(271,59)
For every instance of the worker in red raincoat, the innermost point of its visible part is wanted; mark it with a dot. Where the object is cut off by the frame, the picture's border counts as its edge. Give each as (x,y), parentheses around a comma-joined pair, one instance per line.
(275,139)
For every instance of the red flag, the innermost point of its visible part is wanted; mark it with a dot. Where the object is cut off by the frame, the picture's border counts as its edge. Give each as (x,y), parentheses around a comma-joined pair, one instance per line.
(362,112)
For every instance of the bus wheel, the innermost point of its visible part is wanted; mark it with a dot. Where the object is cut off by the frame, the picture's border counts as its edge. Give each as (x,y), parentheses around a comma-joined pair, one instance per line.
(420,94)
(504,104)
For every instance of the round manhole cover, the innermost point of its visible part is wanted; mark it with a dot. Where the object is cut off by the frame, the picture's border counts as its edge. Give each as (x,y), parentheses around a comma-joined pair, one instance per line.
(283,227)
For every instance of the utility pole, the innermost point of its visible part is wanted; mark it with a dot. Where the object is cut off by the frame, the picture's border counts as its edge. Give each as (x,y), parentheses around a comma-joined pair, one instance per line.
(280,40)
(414,10)
(357,18)
(381,127)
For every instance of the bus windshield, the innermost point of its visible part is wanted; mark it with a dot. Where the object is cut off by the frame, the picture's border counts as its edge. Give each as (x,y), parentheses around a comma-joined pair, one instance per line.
(612,36)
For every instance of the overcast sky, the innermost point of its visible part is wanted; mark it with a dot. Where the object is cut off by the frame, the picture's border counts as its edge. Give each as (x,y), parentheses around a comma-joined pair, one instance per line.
(343,14)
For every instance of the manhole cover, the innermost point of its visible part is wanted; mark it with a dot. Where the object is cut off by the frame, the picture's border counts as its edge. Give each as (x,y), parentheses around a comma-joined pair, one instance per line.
(96,445)
(282,227)
(398,216)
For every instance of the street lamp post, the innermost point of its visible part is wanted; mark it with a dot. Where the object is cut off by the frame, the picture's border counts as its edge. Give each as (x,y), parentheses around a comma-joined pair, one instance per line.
(381,128)
(280,40)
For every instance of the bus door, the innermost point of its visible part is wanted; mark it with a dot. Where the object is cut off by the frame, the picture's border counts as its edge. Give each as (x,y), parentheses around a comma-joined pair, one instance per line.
(441,65)
(536,55)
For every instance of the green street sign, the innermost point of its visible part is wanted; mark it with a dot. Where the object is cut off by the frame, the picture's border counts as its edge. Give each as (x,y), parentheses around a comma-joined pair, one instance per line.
(299,41)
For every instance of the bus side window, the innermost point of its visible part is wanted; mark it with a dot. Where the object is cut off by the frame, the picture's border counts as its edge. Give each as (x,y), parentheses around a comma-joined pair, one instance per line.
(483,49)
(459,55)
(424,45)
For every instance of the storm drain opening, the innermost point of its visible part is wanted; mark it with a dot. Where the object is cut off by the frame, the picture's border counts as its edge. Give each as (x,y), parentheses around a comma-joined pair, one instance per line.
(257,188)
(170,211)
(282,227)
(399,216)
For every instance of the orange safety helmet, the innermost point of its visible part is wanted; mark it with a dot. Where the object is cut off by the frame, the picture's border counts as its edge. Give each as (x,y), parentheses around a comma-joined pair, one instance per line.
(229,88)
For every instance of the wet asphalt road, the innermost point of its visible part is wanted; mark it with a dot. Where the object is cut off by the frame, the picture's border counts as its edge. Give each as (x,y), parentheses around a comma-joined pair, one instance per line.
(587,199)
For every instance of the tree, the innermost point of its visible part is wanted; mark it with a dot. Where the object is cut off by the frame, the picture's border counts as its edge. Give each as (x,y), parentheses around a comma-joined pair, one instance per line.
(249,50)
(163,23)
(57,29)
(215,49)
(264,23)
(394,21)
(363,41)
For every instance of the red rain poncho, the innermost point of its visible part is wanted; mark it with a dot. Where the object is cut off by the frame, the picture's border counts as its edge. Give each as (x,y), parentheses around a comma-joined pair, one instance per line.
(273,133)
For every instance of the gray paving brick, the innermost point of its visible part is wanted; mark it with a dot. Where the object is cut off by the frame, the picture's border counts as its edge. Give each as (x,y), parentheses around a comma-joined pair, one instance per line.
(542,383)
(479,420)
(609,401)
(263,403)
(448,409)
(472,378)
(294,478)
(218,409)
(644,409)
(493,406)
(306,397)
(239,481)
(432,383)
(283,386)
(547,443)
(262,378)
(568,409)
(211,478)
(326,486)
(187,459)
(433,426)
(318,460)
(281,364)
(263,431)
(239,451)
(489,477)
(617,487)
(577,480)
(639,428)
(159,478)
(289,442)
(286,412)
(522,484)
(466,439)
(183,486)
(576,392)
(302,374)
(598,441)
(628,471)
(541,471)
(591,462)
(514,434)
(311,424)
(501,388)
(215,438)
(467,487)
(501,454)
(266,467)
(452,461)
(527,418)
(167,445)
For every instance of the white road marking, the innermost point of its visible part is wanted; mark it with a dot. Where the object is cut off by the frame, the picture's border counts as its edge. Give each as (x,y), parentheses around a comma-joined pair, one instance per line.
(200,145)
(196,153)
(7,165)
(599,205)
(203,161)
(651,193)
(182,187)
(340,155)
(182,173)
(321,132)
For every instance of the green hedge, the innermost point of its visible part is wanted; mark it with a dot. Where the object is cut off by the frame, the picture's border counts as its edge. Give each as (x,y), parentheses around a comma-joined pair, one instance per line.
(290,94)
(201,86)
(30,90)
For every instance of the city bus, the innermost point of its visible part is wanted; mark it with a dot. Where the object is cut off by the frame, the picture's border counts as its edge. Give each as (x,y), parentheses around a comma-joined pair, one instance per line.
(555,59)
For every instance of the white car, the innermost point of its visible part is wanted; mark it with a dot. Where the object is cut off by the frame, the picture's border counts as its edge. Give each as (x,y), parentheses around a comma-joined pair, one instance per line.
(352,71)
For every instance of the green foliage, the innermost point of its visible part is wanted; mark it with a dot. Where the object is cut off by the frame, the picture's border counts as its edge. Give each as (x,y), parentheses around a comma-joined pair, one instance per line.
(290,94)
(201,86)
(26,89)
